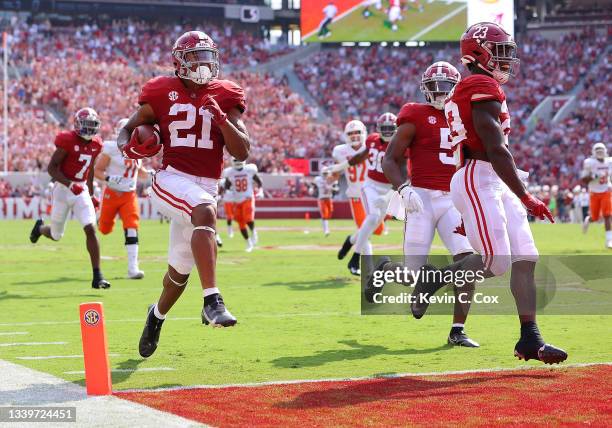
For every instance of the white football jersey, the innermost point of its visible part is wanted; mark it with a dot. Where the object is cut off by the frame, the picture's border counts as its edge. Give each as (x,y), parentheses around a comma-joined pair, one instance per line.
(242,181)
(325,189)
(118,165)
(355,174)
(228,194)
(600,172)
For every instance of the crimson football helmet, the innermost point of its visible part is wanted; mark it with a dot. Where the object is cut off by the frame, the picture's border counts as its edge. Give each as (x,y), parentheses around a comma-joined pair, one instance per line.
(195,57)
(438,80)
(355,134)
(487,46)
(386,125)
(86,123)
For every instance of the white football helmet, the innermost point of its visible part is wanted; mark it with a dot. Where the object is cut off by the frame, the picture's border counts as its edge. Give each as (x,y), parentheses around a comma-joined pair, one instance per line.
(599,151)
(355,133)
(386,125)
(238,164)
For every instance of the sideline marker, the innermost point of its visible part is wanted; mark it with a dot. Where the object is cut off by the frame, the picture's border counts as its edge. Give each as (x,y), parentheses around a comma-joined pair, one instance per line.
(95,349)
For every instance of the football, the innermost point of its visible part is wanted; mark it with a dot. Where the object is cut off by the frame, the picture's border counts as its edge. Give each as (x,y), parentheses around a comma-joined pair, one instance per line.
(145,132)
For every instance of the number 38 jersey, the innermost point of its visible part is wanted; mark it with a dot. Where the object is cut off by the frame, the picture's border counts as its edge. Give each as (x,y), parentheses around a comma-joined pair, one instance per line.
(376,152)
(431,158)
(241,181)
(458,110)
(192,142)
(354,174)
(81,154)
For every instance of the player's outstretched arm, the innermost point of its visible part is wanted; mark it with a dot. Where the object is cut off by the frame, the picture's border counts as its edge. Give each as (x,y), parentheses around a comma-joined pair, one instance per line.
(359,157)
(100,167)
(394,161)
(143,116)
(235,135)
(485,116)
(54,169)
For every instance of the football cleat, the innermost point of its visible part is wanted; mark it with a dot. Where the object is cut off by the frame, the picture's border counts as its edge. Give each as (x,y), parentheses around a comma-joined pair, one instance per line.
(353,265)
(150,335)
(370,289)
(135,274)
(100,283)
(458,337)
(346,247)
(585,224)
(423,290)
(218,241)
(216,314)
(536,350)
(35,233)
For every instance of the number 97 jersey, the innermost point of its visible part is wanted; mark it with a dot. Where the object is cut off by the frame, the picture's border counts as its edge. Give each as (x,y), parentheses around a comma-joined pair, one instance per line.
(193,144)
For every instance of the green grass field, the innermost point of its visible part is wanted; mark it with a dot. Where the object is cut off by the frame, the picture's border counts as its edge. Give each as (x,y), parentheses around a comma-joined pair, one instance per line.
(298,311)
(428,25)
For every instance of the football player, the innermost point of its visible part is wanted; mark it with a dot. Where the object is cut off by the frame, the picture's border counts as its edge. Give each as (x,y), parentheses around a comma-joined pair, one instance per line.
(487,189)
(228,204)
(350,158)
(71,169)
(119,197)
(596,175)
(376,190)
(326,189)
(198,114)
(239,179)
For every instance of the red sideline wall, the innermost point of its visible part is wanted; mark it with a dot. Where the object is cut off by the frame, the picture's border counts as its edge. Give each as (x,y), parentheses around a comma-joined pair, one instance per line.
(297,208)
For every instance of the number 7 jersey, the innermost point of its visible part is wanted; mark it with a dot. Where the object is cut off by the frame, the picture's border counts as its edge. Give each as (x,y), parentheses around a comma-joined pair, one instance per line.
(192,143)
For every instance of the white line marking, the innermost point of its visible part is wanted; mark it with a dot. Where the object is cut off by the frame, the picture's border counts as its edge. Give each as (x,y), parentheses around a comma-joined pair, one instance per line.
(143,369)
(391,376)
(13,333)
(438,22)
(32,344)
(54,357)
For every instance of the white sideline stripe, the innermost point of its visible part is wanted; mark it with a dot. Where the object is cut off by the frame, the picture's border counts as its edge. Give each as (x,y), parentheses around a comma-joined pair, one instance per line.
(22,386)
(54,357)
(143,369)
(438,22)
(14,333)
(351,379)
(32,344)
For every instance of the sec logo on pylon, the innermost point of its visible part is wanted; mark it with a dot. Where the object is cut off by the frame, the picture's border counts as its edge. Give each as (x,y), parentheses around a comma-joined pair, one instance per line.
(91,317)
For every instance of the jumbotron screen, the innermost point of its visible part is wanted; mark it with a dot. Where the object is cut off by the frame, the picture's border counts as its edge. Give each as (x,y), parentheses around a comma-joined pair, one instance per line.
(398,20)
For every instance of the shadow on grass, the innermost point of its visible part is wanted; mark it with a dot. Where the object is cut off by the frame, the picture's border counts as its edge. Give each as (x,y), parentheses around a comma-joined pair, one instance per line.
(50,281)
(4,295)
(356,351)
(129,365)
(330,283)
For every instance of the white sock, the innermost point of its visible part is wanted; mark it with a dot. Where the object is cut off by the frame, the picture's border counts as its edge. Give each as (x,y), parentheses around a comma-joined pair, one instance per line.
(325,226)
(368,227)
(210,291)
(608,235)
(230,231)
(132,252)
(353,237)
(158,314)
(367,249)
(457,324)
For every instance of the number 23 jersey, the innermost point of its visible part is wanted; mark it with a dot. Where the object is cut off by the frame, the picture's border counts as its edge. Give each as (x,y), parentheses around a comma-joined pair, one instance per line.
(192,142)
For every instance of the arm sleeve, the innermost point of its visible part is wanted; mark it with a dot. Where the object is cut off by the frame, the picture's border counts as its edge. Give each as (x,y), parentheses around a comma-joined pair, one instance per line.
(62,141)
(233,97)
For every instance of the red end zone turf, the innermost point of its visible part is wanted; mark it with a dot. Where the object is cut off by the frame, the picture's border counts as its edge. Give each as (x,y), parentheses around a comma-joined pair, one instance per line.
(572,396)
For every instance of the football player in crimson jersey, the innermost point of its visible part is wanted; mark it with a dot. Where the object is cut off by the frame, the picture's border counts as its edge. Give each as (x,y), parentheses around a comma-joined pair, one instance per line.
(376,190)
(198,114)
(422,135)
(71,169)
(487,188)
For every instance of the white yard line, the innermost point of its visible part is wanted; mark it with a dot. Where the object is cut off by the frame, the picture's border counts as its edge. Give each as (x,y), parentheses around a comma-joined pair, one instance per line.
(143,369)
(22,386)
(57,357)
(14,333)
(391,376)
(4,345)
(438,22)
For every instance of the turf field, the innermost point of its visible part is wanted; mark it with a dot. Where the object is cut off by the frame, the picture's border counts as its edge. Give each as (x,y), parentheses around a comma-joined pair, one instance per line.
(298,311)
(438,21)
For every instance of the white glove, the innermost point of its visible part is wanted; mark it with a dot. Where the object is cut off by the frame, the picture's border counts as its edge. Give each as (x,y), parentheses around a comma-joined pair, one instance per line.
(119,183)
(411,199)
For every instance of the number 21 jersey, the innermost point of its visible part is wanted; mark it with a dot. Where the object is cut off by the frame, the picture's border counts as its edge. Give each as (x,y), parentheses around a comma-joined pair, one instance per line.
(192,142)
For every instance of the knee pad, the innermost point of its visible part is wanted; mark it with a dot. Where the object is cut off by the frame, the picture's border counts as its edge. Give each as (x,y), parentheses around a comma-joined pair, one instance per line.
(498,265)
(131,236)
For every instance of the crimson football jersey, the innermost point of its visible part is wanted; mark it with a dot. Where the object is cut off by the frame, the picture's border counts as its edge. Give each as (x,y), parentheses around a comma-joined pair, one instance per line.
(81,154)
(192,142)
(431,157)
(458,110)
(376,152)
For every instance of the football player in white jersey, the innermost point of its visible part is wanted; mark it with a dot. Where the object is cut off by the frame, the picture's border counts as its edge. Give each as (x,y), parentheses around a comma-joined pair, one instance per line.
(240,178)
(327,187)
(228,203)
(119,197)
(596,173)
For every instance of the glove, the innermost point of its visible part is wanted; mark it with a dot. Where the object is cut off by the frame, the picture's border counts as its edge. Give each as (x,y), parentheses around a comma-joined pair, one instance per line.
(76,188)
(137,150)
(411,199)
(96,202)
(211,105)
(119,183)
(536,208)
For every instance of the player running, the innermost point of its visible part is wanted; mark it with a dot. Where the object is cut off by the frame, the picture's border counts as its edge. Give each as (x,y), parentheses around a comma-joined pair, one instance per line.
(71,169)
(239,179)
(228,203)
(596,174)
(327,187)
(427,205)
(487,189)
(198,114)
(375,192)
(119,198)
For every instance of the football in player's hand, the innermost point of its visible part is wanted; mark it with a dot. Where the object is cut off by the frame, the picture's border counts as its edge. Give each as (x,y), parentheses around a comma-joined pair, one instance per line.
(144,142)
(145,132)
